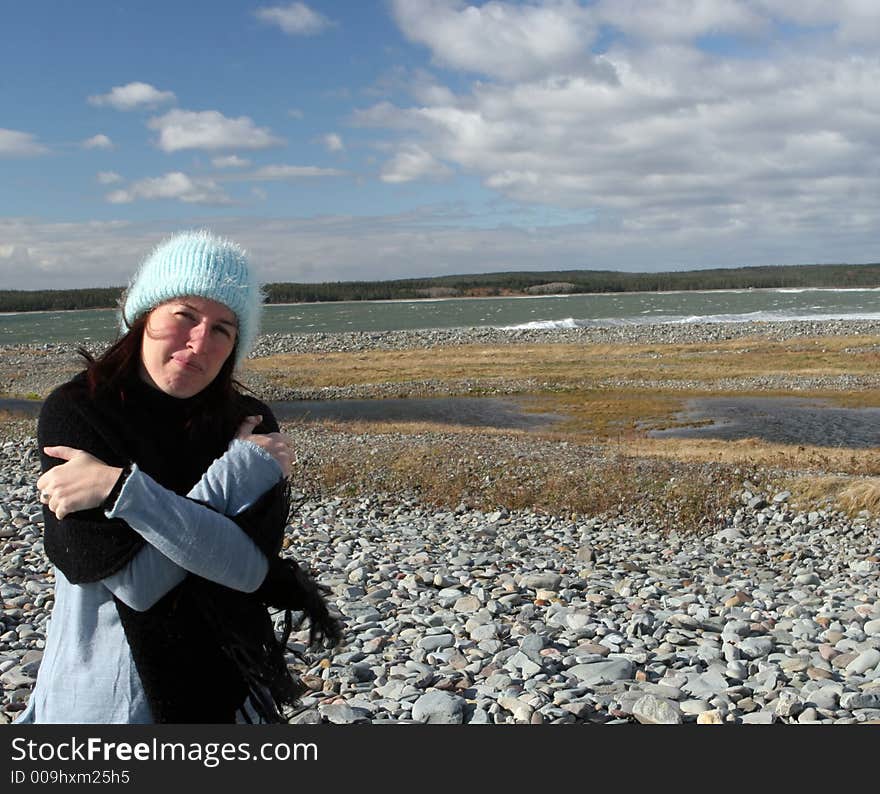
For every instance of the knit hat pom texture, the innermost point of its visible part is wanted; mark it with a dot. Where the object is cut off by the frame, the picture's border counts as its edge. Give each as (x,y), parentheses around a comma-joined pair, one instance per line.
(198,263)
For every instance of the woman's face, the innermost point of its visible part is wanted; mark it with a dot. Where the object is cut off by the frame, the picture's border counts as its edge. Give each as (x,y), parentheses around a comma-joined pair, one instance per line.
(186,342)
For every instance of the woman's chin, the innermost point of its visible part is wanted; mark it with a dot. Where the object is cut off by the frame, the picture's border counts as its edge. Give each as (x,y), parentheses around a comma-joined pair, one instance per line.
(181,387)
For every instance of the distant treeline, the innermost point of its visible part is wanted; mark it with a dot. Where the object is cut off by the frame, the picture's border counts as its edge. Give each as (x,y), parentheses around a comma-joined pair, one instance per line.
(489,284)
(58,299)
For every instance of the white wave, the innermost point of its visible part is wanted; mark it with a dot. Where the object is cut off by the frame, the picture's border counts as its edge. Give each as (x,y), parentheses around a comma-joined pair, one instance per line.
(542,325)
(824,289)
(669,319)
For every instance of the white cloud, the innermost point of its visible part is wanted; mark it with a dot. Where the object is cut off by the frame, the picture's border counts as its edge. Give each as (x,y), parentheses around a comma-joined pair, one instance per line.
(680,20)
(433,241)
(333,142)
(43,255)
(174,185)
(413,163)
(232,161)
(503,40)
(209,129)
(97,142)
(296,19)
(108,177)
(132,96)
(768,146)
(295,113)
(855,21)
(272,173)
(14,143)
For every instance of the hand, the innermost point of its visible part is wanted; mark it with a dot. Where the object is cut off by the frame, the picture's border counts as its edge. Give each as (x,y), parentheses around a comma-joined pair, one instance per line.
(81,483)
(274,443)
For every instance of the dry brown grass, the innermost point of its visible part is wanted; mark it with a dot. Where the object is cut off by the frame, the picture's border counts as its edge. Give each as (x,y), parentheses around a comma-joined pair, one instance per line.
(609,414)
(445,474)
(859,496)
(756,452)
(579,364)
(853,495)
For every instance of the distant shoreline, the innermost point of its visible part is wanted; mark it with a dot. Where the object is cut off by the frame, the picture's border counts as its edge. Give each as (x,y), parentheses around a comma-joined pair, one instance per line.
(510,296)
(505,284)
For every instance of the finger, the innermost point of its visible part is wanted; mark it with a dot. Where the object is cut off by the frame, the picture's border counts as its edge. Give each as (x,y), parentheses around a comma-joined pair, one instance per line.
(65,453)
(248,425)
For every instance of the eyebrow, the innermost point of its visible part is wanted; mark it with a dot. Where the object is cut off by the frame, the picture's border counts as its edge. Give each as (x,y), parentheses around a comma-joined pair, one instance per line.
(230,323)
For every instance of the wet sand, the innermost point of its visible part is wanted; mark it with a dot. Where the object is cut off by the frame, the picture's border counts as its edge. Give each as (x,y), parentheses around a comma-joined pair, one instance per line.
(468,411)
(783,420)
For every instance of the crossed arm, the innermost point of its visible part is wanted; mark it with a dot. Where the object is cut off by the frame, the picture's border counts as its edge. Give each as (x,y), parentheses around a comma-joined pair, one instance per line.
(182,535)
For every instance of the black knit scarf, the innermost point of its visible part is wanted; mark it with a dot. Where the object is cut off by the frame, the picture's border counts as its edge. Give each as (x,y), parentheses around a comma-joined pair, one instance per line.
(203,648)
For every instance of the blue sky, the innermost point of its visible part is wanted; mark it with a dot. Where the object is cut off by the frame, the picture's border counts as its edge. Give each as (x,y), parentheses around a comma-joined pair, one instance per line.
(400,138)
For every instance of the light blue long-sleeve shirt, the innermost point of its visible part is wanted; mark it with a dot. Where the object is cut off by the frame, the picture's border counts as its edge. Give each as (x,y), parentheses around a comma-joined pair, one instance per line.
(88,674)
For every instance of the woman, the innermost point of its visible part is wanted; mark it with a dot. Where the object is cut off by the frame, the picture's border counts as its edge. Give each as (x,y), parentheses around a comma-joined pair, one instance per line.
(165,503)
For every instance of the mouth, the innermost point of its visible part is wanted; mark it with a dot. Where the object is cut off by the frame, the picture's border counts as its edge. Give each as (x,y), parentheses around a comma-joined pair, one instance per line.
(186,364)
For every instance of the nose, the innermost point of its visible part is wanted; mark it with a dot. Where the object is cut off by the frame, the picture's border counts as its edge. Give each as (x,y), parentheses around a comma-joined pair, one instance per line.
(198,338)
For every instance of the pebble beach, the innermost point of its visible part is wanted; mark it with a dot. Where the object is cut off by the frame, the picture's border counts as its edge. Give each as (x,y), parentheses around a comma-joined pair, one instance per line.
(770,615)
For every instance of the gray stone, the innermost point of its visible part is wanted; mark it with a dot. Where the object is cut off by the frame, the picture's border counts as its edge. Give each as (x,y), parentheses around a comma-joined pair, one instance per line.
(522,663)
(541,581)
(788,704)
(860,700)
(755,647)
(438,707)
(343,714)
(593,673)
(759,718)
(467,604)
(585,554)
(436,642)
(705,685)
(651,710)
(307,717)
(479,717)
(486,631)
(694,706)
(15,678)
(826,697)
(522,712)
(866,660)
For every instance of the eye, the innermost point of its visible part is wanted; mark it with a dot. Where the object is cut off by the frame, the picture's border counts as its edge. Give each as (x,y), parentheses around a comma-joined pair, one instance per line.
(223,330)
(184,313)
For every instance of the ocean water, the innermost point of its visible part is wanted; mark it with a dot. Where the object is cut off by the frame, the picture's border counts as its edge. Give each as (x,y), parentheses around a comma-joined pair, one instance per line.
(552,311)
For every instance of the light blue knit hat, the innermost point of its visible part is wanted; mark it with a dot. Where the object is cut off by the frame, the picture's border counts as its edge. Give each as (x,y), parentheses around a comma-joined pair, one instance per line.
(197,263)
